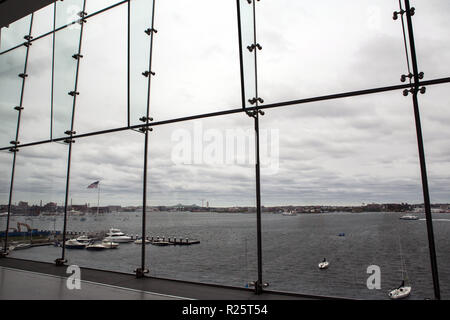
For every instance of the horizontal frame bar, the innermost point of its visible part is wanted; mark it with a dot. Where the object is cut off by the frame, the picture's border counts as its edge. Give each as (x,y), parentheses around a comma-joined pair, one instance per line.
(240,110)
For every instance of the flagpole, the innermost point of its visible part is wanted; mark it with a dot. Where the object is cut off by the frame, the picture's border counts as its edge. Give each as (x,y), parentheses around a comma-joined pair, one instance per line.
(98,198)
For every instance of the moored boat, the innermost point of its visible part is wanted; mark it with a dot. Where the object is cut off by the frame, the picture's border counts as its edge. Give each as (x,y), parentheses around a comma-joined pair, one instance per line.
(74,244)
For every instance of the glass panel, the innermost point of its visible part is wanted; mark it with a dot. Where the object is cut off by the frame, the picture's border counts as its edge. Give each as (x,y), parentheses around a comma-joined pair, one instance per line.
(431,37)
(67,12)
(248,38)
(308,53)
(102,78)
(93,6)
(66,45)
(5,180)
(116,161)
(434,106)
(36,116)
(197,67)
(43,20)
(140,20)
(11,65)
(14,34)
(38,200)
(347,172)
(201,187)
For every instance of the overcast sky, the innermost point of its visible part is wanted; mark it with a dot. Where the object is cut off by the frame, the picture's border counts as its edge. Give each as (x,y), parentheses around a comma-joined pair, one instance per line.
(347,151)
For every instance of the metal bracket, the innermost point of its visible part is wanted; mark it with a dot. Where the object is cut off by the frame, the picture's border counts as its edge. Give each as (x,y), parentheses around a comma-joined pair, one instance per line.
(250,1)
(254,100)
(401,12)
(13,150)
(27,44)
(254,113)
(77,56)
(28,37)
(150,30)
(73,93)
(23,75)
(144,119)
(14,142)
(60,262)
(141,273)
(82,14)
(410,75)
(18,108)
(69,141)
(253,46)
(81,21)
(414,91)
(68,132)
(147,73)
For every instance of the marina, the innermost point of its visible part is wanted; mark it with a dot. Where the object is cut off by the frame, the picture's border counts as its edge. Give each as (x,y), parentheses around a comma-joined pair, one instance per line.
(226,253)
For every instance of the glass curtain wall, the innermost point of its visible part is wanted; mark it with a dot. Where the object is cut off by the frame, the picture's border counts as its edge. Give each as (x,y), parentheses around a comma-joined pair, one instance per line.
(239,147)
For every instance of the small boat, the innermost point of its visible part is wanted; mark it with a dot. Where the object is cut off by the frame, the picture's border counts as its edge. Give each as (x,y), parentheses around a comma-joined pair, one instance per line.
(96,246)
(160,242)
(109,244)
(115,232)
(74,244)
(324,264)
(289,213)
(341,234)
(84,239)
(409,217)
(115,235)
(400,292)
(139,241)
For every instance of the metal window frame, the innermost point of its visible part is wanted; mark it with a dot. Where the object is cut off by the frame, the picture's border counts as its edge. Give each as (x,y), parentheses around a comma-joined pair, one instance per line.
(413,86)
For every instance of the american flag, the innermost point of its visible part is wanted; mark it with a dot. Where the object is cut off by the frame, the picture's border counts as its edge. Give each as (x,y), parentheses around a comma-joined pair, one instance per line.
(93,185)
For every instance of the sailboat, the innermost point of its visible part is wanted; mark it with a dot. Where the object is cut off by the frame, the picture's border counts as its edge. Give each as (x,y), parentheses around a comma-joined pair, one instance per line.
(402,291)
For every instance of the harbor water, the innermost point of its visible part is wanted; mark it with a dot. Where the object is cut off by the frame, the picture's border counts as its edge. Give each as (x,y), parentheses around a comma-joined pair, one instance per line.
(292,248)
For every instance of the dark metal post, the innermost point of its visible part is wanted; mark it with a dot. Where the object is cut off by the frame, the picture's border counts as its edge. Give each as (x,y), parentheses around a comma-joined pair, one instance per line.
(258,286)
(128,63)
(426,195)
(14,149)
(141,272)
(70,140)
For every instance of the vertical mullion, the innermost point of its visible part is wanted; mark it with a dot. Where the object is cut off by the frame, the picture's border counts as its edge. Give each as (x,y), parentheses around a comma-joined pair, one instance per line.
(53,72)
(259,283)
(14,149)
(62,260)
(423,169)
(128,62)
(241,58)
(140,272)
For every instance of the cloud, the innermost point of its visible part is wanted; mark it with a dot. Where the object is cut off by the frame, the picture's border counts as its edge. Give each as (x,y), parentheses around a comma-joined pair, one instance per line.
(344,151)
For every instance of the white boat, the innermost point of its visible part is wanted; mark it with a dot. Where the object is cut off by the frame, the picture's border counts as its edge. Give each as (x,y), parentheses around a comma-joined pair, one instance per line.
(96,246)
(139,241)
(74,244)
(289,213)
(84,239)
(324,264)
(409,217)
(115,235)
(400,292)
(115,232)
(109,244)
